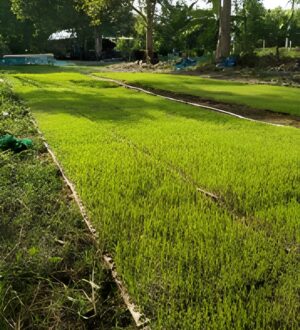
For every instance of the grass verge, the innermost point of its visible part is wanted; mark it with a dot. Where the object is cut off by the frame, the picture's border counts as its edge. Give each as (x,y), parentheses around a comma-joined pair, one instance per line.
(50,274)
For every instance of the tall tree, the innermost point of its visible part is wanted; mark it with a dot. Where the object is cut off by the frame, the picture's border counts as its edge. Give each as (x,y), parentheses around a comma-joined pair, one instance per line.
(224,37)
(276,26)
(47,15)
(107,17)
(145,9)
(149,20)
(182,26)
(19,36)
(249,25)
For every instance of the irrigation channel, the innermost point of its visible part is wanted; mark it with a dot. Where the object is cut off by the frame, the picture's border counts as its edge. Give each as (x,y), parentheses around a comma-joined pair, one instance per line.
(141,321)
(165,95)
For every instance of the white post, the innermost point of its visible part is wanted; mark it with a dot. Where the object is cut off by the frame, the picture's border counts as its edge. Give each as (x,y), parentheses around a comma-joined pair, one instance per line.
(286,42)
(290,44)
(264,44)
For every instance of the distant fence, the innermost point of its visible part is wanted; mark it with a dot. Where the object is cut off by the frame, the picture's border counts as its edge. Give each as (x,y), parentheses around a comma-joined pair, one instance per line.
(28,59)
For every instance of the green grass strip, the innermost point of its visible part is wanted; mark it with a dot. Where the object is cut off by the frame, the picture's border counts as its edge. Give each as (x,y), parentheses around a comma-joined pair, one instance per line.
(274,98)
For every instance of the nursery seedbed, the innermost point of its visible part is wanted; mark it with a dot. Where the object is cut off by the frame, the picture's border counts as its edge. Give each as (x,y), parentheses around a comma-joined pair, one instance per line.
(182,257)
(260,97)
(170,166)
(247,220)
(238,111)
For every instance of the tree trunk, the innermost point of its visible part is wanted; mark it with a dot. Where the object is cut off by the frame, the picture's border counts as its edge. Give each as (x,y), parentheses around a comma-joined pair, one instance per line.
(85,49)
(149,43)
(224,39)
(98,45)
(245,18)
(150,11)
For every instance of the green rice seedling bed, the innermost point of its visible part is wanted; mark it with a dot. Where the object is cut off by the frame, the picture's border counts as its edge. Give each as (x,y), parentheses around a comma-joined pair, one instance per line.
(274,98)
(190,262)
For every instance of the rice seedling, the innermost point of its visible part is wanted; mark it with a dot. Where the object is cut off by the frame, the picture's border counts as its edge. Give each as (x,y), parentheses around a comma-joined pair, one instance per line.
(190,261)
(274,98)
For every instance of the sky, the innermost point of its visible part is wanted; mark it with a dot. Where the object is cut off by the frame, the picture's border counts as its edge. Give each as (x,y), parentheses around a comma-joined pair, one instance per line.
(275,3)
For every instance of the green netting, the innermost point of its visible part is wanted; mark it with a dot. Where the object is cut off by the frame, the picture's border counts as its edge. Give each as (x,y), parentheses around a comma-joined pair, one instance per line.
(9,142)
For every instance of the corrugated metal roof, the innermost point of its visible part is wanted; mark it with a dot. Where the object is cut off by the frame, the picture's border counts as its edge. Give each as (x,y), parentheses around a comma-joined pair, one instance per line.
(63,35)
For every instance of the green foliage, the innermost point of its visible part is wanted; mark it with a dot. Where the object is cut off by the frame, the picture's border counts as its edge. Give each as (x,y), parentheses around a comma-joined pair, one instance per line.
(137,161)
(249,25)
(281,24)
(185,28)
(108,16)
(276,26)
(27,24)
(126,46)
(3,46)
(253,24)
(47,15)
(93,9)
(17,36)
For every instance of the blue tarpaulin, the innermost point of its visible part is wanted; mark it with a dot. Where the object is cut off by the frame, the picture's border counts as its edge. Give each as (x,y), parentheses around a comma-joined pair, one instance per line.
(228,62)
(185,62)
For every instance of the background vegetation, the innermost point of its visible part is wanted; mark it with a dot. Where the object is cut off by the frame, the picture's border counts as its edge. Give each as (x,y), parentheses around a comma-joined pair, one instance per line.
(173,25)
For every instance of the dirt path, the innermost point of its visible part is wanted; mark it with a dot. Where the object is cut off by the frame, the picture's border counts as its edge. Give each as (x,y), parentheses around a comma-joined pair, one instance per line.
(235,110)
